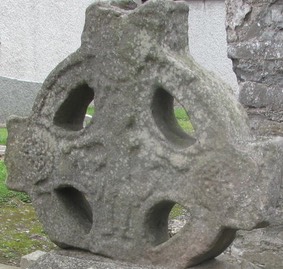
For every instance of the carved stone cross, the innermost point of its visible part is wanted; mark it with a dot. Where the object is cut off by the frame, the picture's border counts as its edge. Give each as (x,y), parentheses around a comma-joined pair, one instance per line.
(108,188)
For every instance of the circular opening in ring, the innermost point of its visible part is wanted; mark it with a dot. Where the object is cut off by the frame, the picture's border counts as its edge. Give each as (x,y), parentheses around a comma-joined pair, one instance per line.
(72,112)
(76,208)
(164,220)
(172,119)
(178,218)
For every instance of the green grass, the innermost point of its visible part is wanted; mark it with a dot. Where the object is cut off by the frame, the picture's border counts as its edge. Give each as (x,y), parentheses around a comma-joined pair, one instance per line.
(21,233)
(90,110)
(184,120)
(3,136)
(176,211)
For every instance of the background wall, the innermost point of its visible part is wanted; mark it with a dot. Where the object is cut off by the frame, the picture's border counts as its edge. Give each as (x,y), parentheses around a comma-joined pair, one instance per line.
(35,35)
(207,38)
(255,37)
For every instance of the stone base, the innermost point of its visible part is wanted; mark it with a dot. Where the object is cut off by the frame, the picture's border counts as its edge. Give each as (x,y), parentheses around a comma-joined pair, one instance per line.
(63,259)
(28,260)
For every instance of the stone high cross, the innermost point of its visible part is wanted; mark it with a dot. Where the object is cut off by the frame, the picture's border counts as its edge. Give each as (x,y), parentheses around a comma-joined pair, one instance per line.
(108,188)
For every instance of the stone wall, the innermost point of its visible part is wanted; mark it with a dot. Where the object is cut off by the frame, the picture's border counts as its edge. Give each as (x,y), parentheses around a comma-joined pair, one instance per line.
(255,44)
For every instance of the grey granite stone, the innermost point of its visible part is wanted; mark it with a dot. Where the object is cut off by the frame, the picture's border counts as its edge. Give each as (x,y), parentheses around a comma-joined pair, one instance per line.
(29,259)
(108,187)
(17,97)
(4,266)
(262,247)
(255,44)
(255,40)
(80,260)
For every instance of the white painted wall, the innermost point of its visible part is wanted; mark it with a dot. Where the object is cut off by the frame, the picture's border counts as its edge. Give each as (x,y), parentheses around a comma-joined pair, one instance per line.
(36,35)
(207,38)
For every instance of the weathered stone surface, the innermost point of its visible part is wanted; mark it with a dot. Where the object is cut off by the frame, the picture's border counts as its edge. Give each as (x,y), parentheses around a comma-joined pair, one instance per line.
(255,40)
(262,247)
(29,259)
(4,266)
(255,37)
(108,188)
(17,97)
(80,260)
